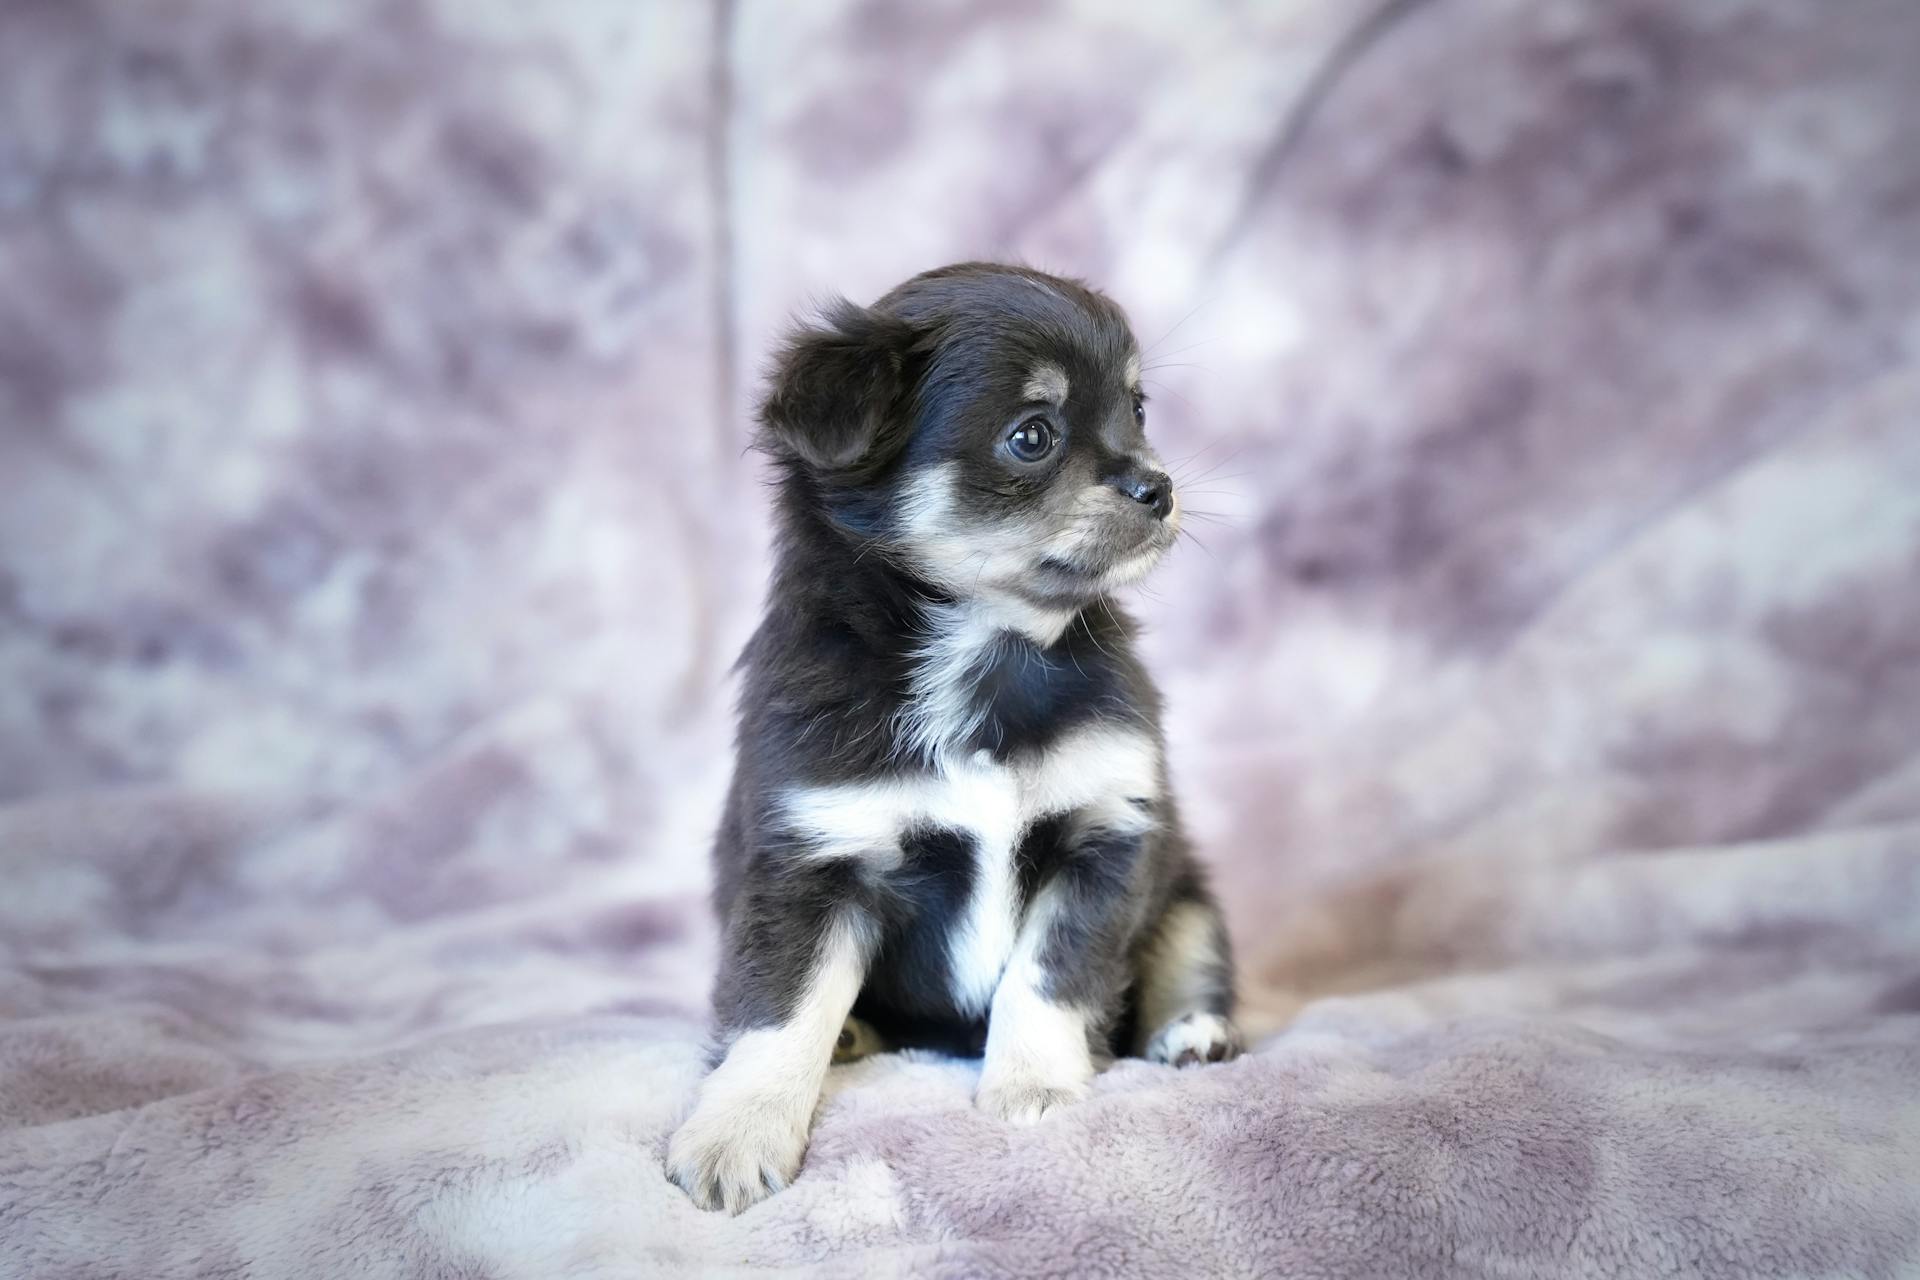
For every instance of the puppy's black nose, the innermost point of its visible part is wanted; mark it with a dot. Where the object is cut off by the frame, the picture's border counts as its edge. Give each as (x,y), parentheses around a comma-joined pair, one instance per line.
(1151,489)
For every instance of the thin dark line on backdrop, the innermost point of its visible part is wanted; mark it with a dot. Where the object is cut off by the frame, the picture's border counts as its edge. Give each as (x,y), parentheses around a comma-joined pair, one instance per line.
(1355,44)
(719,158)
(699,679)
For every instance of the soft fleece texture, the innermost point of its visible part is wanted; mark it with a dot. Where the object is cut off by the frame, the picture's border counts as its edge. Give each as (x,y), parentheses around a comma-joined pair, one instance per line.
(375,535)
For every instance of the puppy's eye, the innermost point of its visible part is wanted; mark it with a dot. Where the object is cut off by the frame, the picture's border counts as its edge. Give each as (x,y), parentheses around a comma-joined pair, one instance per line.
(1032,440)
(1139,408)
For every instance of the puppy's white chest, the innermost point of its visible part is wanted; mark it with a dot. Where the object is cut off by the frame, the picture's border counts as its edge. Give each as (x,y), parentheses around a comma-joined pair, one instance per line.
(1106,775)
(989,803)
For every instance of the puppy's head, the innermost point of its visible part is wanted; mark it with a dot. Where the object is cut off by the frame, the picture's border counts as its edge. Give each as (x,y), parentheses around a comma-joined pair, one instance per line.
(984,426)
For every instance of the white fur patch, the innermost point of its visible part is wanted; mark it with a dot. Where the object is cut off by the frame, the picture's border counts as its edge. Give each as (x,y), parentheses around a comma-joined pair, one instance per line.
(1047,382)
(1108,774)
(1193,1039)
(1133,568)
(745,1137)
(1133,372)
(980,564)
(1038,1057)
(983,936)
(941,708)
(1099,771)
(961,558)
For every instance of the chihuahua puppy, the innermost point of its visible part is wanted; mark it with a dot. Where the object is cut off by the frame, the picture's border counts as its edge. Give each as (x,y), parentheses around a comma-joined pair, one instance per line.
(949,815)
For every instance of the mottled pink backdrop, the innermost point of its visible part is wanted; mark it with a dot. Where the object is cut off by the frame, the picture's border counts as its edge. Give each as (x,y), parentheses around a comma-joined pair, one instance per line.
(376,532)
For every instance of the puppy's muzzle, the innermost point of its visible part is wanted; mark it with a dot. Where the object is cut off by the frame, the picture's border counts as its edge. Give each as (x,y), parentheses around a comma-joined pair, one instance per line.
(1151,489)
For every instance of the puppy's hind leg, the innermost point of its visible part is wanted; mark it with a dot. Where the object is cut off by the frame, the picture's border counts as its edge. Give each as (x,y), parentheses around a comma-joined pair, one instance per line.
(1185,991)
(857,1040)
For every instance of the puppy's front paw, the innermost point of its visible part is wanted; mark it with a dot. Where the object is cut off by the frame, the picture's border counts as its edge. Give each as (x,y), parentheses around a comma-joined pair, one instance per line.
(734,1155)
(1023,1101)
(1194,1038)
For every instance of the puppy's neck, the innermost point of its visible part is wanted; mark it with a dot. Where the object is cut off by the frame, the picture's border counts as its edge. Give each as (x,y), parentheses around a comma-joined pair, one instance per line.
(997,611)
(822,557)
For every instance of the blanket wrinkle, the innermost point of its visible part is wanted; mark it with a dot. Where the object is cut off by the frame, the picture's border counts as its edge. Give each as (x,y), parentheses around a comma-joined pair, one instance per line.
(1543,691)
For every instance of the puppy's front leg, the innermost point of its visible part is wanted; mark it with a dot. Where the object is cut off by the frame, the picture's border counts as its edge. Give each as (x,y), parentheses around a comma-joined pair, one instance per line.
(749,1130)
(1059,987)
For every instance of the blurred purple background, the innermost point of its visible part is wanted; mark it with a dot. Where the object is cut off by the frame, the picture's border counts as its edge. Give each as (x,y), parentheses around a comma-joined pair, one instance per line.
(376,531)
(375,374)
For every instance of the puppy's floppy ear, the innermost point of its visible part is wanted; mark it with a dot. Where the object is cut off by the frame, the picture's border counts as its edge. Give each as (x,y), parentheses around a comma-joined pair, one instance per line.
(839,388)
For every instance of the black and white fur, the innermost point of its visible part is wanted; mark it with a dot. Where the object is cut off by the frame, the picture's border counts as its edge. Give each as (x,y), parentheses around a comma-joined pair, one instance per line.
(949,816)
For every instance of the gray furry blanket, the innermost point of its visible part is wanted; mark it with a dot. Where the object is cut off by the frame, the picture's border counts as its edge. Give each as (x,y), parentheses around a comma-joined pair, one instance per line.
(375,536)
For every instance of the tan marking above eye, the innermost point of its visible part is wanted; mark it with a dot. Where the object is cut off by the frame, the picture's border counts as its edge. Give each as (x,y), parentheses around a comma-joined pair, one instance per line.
(1047,382)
